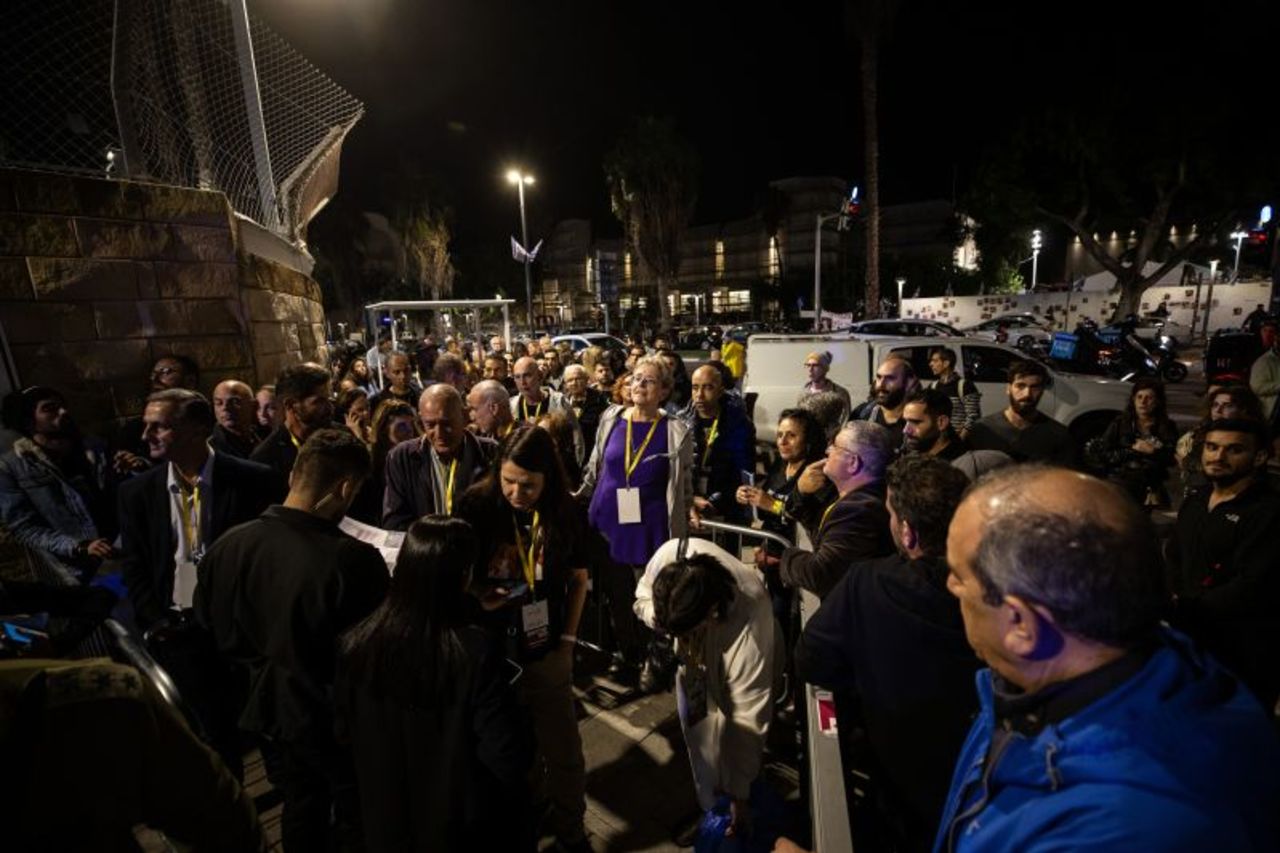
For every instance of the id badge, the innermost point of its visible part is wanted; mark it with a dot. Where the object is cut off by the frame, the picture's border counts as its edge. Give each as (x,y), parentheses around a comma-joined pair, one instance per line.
(628,506)
(535,621)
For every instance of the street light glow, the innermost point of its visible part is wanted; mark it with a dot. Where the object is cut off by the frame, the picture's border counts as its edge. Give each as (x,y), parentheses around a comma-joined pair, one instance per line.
(515,176)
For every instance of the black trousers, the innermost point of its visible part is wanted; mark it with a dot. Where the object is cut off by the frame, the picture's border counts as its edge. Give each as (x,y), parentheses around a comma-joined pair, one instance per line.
(321,805)
(212,688)
(618,590)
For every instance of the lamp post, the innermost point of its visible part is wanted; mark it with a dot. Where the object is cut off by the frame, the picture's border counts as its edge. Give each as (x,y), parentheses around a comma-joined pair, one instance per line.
(1035,257)
(822,219)
(901,282)
(515,176)
(1239,237)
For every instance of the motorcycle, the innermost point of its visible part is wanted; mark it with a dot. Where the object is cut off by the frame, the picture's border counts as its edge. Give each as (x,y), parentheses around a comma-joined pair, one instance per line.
(1130,358)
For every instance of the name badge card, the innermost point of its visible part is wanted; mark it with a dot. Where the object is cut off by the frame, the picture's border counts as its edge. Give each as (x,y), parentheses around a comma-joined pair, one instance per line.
(628,506)
(535,619)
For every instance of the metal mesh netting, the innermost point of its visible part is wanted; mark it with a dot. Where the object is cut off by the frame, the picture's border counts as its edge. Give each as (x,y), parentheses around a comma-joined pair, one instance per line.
(160,81)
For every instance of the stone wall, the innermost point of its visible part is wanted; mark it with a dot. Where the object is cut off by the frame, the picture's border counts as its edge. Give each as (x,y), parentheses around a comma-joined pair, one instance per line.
(99,278)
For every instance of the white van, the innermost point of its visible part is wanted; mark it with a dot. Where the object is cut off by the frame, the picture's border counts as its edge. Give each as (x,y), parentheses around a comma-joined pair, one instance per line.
(776,375)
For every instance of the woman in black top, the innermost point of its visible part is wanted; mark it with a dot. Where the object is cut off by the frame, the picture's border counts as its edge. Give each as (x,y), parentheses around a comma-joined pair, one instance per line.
(1137,450)
(440,746)
(800,441)
(531,578)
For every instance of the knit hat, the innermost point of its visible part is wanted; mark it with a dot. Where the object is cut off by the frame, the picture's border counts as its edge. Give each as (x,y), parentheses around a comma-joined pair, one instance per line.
(824,358)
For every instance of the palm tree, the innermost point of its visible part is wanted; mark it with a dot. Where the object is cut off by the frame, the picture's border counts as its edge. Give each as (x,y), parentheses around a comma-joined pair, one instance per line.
(652,173)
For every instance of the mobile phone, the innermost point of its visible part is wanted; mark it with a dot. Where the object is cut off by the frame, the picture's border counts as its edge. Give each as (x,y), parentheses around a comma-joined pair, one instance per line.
(748,478)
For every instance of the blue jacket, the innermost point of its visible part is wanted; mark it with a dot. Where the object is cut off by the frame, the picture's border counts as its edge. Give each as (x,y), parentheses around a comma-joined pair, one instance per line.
(1179,757)
(41,509)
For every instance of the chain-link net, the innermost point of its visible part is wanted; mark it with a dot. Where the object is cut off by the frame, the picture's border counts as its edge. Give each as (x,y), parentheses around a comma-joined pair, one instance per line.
(159,83)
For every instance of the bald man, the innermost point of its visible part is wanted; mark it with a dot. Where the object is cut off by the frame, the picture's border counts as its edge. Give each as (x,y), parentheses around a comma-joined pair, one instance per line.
(533,401)
(1098,727)
(425,476)
(490,407)
(236,410)
(895,382)
(724,445)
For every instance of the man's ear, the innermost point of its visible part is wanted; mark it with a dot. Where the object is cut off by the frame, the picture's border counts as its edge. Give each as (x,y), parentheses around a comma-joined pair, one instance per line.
(1022,627)
(909,537)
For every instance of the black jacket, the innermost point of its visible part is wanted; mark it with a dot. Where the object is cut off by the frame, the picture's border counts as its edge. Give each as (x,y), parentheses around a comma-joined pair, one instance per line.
(890,638)
(589,415)
(278,452)
(411,487)
(276,593)
(241,490)
(447,773)
(857,528)
(231,444)
(731,453)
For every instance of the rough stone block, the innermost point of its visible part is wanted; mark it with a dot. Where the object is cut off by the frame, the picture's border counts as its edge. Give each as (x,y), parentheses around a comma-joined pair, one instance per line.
(259,304)
(191,207)
(193,243)
(148,287)
(121,320)
(307,342)
(210,353)
(315,313)
(15,279)
(48,236)
(36,322)
(172,317)
(8,199)
(70,278)
(111,238)
(42,192)
(108,199)
(217,316)
(197,281)
(65,364)
(268,339)
(292,339)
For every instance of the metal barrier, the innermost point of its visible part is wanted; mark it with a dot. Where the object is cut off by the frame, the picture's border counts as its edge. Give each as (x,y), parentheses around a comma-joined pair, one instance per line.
(828,805)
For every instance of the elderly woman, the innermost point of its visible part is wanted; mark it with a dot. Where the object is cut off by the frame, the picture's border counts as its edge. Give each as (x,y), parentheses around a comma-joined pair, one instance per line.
(818,365)
(639,482)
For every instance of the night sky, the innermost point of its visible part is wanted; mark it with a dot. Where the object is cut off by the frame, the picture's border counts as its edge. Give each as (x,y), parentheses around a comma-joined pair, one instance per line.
(465,88)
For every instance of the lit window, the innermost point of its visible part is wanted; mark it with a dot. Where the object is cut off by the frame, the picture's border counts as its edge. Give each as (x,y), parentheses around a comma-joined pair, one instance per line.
(626,267)
(775,262)
(719,259)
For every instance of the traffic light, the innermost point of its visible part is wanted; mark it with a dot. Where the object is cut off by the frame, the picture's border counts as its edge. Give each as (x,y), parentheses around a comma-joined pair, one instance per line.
(849,209)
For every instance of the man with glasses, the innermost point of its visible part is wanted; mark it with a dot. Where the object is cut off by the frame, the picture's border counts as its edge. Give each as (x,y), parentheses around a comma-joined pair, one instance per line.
(427,476)
(853,527)
(534,401)
(817,365)
(588,403)
(170,371)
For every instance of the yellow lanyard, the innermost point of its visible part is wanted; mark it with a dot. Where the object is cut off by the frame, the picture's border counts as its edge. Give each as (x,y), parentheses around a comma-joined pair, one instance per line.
(297,444)
(712,435)
(506,432)
(826,514)
(189,512)
(527,558)
(448,490)
(628,464)
(524,407)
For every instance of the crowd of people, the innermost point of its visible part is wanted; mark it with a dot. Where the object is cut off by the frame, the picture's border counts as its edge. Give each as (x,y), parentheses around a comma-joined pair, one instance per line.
(1125,669)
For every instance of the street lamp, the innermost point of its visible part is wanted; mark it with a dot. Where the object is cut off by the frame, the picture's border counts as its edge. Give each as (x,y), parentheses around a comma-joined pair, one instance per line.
(1035,257)
(1239,237)
(901,282)
(520,179)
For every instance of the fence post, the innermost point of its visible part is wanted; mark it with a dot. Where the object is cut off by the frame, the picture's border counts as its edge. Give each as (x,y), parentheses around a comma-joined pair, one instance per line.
(253,111)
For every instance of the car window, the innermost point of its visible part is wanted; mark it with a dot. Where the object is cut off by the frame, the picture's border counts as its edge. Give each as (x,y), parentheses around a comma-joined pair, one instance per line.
(987,364)
(919,358)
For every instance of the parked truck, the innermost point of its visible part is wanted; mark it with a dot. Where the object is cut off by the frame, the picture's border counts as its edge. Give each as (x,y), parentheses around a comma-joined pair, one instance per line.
(775,377)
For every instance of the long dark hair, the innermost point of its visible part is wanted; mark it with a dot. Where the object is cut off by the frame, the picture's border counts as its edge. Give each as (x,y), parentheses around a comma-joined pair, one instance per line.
(1160,415)
(533,449)
(815,437)
(408,649)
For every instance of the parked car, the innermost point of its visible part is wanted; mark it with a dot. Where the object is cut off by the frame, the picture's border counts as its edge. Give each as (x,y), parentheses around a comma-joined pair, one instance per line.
(697,337)
(903,328)
(1085,404)
(1152,331)
(742,331)
(1023,330)
(581,341)
(1229,356)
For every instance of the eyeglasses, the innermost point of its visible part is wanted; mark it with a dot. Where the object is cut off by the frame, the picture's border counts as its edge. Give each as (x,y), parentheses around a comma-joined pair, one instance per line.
(644,381)
(834,446)
(164,371)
